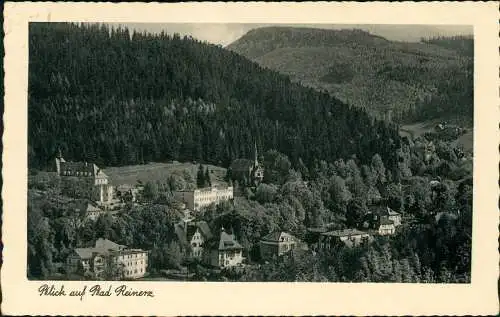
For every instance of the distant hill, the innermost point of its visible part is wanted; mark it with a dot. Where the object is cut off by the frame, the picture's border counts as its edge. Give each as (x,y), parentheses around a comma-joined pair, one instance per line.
(388,78)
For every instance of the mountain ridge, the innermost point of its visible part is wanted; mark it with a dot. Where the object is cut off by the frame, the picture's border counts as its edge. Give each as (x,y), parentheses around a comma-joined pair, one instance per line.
(387,78)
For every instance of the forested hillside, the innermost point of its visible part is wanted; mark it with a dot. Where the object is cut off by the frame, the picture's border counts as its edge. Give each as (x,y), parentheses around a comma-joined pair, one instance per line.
(407,80)
(117,97)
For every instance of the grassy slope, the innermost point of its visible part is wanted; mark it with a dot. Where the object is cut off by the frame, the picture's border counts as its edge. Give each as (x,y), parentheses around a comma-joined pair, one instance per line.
(417,129)
(159,172)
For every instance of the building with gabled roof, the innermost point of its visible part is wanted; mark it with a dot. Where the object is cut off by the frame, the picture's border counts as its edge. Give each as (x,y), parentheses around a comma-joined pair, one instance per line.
(246,171)
(107,255)
(278,243)
(349,237)
(224,251)
(385,212)
(192,235)
(197,199)
(90,174)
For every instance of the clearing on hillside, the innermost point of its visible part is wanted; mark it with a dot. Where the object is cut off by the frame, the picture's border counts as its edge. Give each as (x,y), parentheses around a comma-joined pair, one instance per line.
(159,172)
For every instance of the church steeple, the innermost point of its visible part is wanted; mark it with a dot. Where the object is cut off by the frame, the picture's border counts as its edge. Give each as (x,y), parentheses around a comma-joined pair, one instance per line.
(256,157)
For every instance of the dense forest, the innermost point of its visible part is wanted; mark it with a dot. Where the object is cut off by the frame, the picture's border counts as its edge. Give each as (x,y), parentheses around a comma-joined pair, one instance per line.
(411,81)
(117,97)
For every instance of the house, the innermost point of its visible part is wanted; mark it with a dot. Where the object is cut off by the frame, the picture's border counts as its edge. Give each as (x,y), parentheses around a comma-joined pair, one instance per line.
(89,211)
(312,237)
(382,219)
(384,212)
(192,235)
(386,227)
(108,260)
(223,251)
(247,172)
(349,237)
(90,174)
(277,244)
(199,198)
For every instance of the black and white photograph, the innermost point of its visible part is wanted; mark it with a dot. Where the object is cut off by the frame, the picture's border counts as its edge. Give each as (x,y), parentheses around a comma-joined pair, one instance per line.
(250,159)
(241,152)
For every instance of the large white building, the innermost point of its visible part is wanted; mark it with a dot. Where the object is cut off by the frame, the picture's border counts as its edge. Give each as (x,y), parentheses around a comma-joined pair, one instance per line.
(90,174)
(108,258)
(203,197)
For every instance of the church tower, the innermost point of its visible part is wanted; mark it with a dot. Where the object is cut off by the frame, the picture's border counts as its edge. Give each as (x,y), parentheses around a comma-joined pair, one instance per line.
(256,157)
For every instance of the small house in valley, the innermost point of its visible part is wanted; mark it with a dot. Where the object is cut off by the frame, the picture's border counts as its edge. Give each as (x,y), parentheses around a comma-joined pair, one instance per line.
(277,244)
(224,251)
(349,237)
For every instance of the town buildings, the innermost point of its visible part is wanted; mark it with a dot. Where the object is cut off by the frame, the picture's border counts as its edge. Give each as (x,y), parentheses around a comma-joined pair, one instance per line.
(199,198)
(350,237)
(389,214)
(223,251)
(193,235)
(247,172)
(108,260)
(386,227)
(277,244)
(383,220)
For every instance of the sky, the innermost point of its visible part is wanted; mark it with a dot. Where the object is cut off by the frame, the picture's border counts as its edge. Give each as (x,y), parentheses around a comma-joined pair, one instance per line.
(224,34)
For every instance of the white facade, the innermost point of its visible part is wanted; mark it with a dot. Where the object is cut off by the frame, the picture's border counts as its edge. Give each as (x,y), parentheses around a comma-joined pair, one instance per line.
(386,229)
(134,262)
(197,244)
(199,198)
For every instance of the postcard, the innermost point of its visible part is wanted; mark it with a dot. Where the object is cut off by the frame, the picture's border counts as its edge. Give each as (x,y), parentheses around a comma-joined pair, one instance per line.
(250,159)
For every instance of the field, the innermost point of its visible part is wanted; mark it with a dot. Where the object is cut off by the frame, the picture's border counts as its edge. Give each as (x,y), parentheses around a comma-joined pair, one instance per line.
(159,172)
(417,129)
(467,141)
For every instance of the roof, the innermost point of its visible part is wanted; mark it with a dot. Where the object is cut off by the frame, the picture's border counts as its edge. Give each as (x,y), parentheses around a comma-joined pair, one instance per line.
(181,236)
(385,210)
(102,246)
(386,222)
(344,233)
(276,236)
(91,208)
(317,230)
(91,168)
(186,236)
(205,229)
(273,236)
(105,244)
(84,253)
(228,242)
(242,165)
